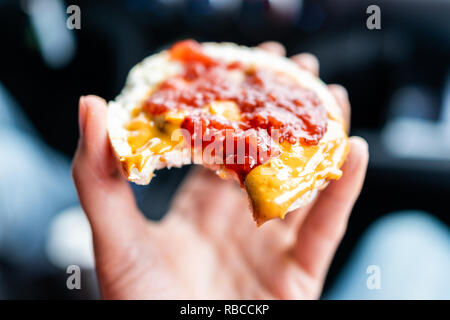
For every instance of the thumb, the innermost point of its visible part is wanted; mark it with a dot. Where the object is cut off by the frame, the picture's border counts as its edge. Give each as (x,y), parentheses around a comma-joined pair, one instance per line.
(105,196)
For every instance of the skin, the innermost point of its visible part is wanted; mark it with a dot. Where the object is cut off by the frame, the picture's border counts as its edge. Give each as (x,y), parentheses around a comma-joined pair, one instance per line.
(208,246)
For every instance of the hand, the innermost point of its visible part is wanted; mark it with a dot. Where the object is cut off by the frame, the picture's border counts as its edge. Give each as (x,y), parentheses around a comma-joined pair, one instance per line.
(208,246)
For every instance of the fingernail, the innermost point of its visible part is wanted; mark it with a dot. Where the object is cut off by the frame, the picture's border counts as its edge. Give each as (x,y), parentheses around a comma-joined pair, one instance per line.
(82,115)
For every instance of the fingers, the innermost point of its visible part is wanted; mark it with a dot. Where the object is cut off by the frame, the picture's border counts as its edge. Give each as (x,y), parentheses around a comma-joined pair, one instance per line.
(105,196)
(341,96)
(310,63)
(273,47)
(324,227)
(307,62)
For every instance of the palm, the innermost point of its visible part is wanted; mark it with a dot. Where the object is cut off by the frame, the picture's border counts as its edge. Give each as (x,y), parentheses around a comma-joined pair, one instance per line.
(207,246)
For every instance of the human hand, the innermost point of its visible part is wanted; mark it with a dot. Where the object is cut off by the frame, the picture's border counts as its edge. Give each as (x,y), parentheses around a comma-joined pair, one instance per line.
(208,246)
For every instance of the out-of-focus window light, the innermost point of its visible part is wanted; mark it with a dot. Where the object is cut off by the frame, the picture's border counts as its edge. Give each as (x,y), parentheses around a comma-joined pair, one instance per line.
(145,5)
(56,42)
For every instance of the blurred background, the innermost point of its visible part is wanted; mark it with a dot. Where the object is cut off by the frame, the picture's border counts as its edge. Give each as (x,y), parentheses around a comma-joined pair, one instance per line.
(398,80)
